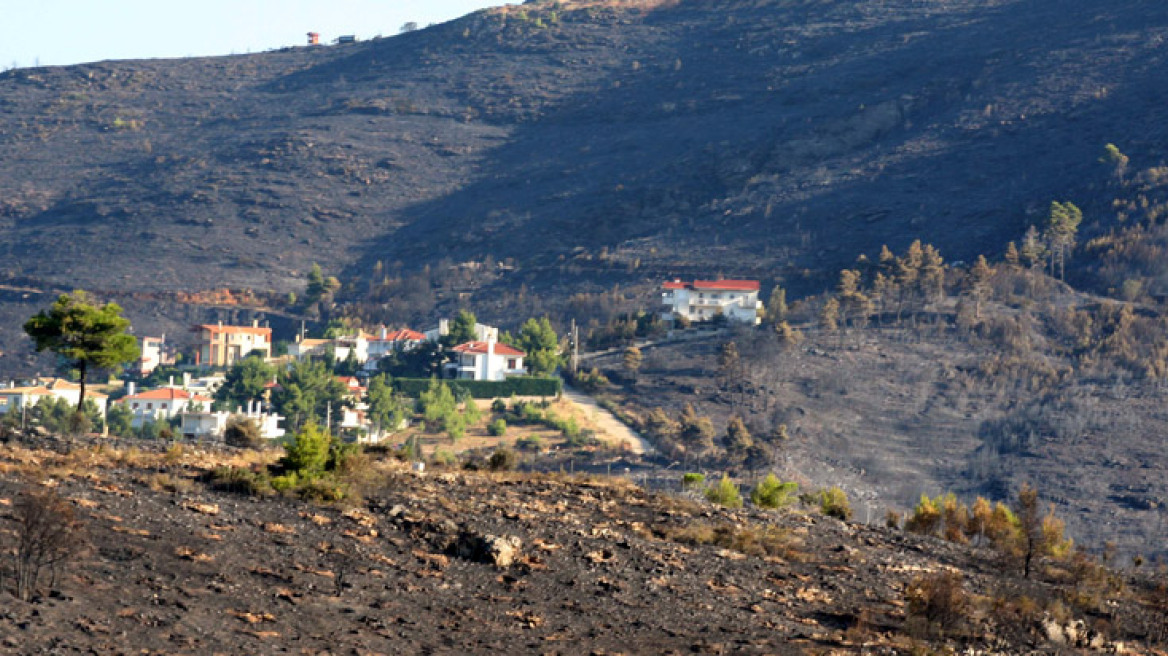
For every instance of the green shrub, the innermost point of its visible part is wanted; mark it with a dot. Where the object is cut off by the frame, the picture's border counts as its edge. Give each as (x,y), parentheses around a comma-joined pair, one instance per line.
(499,406)
(240,481)
(773,493)
(443,457)
(833,502)
(497,428)
(532,443)
(308,453)
(285,482)
(243,432)
(725,493)
(486,389)
(693,481)
(326,489)
(502,460)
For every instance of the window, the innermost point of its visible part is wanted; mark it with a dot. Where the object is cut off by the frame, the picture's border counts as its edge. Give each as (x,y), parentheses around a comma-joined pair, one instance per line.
(135,405)
(511,363)
(149,406)
(162,406)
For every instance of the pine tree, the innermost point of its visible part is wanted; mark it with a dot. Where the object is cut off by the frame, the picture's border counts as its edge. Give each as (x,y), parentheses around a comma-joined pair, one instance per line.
(776,308)
(978,283)
(738,438)
(632,360)
(85,335)
(1012,257)
(1061,229)
(829,316)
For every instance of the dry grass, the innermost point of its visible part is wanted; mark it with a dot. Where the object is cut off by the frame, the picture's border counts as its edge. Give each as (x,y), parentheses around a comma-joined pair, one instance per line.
(761,541)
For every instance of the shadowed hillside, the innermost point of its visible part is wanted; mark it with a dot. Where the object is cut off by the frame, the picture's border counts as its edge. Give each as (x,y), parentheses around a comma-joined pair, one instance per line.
(779,135)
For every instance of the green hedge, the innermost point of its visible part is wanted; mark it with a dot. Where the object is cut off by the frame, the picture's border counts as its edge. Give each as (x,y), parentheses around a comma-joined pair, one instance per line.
(485,389)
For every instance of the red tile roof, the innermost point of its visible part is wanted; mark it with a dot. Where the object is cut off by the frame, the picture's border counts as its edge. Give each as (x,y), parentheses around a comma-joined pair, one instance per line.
(404,335)
(481,348)
(167,394)
(715,285)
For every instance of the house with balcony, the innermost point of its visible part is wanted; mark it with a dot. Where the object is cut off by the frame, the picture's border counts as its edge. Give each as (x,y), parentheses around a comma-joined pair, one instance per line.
(703,300)
(487,360)
(163,404)
(204,424)
(223,346)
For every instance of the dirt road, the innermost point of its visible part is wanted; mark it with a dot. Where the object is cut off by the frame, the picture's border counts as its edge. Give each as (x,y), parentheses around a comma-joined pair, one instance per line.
(608,427)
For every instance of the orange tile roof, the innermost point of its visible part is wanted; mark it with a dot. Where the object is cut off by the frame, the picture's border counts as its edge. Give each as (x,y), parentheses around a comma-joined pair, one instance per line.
(404,335)
(43,390)
(167,394)
(715,285)
(481,348)
(31,391)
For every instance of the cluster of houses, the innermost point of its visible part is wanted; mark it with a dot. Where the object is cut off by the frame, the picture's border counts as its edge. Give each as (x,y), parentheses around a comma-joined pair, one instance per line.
(220,346)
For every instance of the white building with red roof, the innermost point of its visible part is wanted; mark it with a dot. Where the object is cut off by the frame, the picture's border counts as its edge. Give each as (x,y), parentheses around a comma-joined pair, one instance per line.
(702,300)
(223,346)
(390,341)
(163,404)
(488,360)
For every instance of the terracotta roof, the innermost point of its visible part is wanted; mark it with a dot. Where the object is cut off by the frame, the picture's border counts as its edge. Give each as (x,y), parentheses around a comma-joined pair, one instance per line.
(31,391)
(404,335)
(167,394)
(481,348)
(247,330)
(43,390)
(715,285)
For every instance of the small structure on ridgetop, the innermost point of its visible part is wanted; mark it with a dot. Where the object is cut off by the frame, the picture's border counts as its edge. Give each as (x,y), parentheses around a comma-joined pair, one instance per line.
(348,38)
(314,38)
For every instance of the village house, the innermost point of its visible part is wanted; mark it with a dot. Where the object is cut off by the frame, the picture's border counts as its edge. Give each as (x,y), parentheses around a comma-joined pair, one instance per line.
(388,342)
(482,332)
(155,352)
(223,346)
(309,348)
(703,300)
(162,404)
(485,360)
(28,396)
(204,424)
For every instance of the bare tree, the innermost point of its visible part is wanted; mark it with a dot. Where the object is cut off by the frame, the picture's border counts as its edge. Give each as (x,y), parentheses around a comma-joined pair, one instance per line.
(47,535)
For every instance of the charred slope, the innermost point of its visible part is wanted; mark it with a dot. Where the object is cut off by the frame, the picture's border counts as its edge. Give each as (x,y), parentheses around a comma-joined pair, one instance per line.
(600,566)
(781,135)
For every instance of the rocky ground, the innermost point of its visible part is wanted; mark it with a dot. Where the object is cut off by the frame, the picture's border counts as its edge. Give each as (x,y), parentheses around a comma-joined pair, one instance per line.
(470,562)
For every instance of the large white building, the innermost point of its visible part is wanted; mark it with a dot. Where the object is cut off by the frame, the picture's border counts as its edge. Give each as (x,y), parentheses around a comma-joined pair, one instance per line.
(487,360)
(162,404)
(702,300)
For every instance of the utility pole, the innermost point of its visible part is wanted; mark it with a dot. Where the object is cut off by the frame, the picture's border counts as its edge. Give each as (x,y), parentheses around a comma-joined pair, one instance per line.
(575,347)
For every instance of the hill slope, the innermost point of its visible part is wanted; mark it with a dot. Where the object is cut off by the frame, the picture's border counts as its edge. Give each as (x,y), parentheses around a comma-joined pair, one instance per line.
(778,135)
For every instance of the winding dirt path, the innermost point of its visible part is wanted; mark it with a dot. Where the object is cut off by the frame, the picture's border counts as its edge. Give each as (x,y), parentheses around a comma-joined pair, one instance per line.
(609,428)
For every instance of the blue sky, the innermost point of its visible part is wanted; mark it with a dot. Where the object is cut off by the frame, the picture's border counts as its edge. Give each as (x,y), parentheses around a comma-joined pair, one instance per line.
(55,32)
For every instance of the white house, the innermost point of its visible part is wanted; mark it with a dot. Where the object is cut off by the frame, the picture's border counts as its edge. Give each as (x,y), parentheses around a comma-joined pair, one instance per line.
(155,352)
(487,360)
(223,346)
(483,332)
(162,404)
(27,397)
(702,300)
(213,425)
